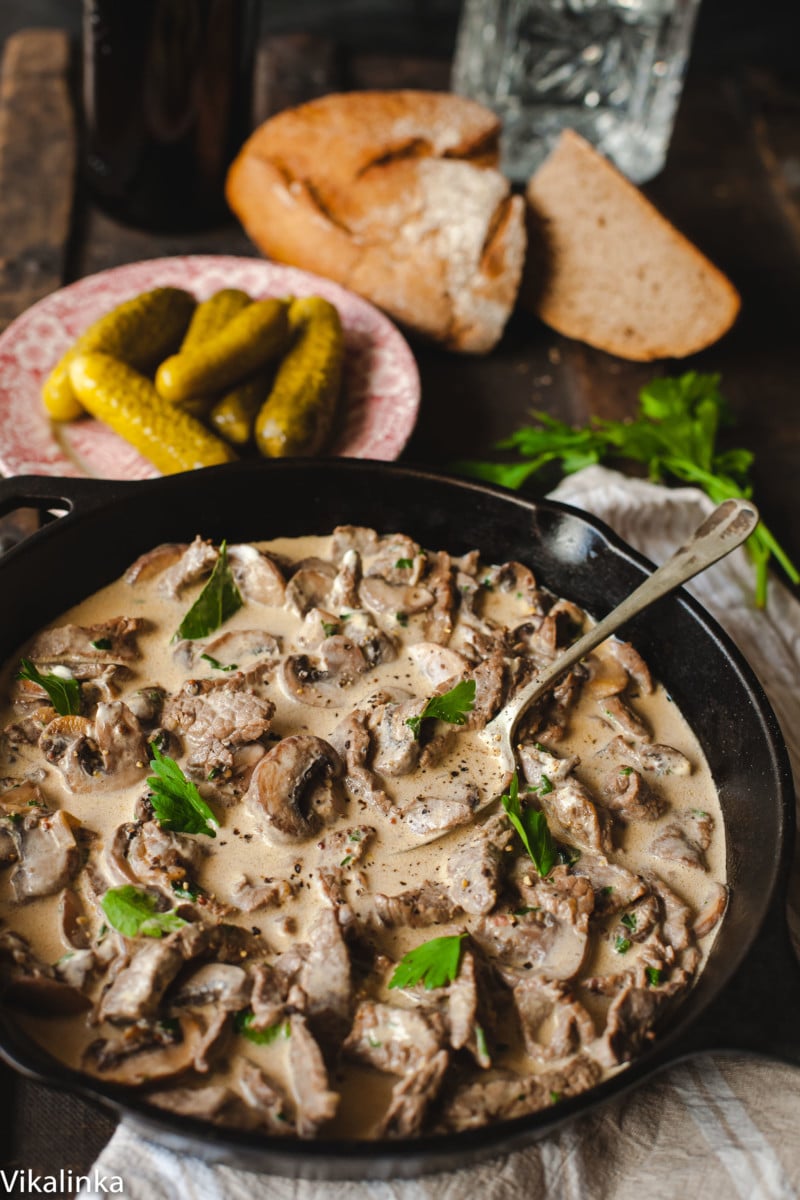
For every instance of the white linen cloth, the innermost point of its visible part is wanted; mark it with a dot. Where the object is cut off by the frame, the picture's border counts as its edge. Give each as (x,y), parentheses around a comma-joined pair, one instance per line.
(722,1126)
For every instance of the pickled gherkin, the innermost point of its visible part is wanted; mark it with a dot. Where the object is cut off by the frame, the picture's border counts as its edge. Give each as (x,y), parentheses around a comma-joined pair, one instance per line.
(139,332)
(128,402)
(234,414)
(247,343)
(298,413)
(212,315)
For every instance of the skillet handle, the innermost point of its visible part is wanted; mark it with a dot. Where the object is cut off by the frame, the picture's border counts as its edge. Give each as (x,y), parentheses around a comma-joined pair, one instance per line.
(47,494)
(758,1009)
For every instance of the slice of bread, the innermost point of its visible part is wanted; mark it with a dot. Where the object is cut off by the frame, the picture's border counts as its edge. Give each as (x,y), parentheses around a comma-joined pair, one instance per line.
(608,269)
(394,195)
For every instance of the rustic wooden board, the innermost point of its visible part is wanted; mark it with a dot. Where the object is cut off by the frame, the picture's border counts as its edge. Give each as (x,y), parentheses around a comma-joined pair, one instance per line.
(37,167)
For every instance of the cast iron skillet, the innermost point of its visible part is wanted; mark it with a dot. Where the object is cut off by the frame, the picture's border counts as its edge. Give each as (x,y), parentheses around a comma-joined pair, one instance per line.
(748,996)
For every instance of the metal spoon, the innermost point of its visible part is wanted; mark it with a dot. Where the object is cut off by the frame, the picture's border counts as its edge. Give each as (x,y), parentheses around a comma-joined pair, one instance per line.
(727,527)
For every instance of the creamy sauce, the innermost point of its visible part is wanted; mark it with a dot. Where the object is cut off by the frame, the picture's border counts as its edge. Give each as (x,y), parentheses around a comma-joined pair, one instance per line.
(241,851)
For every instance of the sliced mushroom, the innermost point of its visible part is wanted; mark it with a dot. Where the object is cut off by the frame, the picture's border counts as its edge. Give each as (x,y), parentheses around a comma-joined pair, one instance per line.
(386,598)
(257,576)
(110,752)
(197,560)
(224,985)
(436,814)
(310,586)
(155,562)
(616,713)
(293,791)
(340,663)
(48,855)
(607,676)
(162,1050)
(344,589)
(634,664)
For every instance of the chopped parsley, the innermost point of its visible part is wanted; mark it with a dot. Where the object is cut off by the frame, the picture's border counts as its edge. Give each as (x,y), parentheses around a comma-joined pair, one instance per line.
(329,628)
(401,618)
(186,891)
(403,563)
(63,691)
(355,836)
(432,964)
(543,788)
(653,976)
(555,1097)
(451,706)
(260,1037)
(626,770)
(346,861)
(532,827)
(218,601)
(622,944)
(217,665)
(176,801)
(133,913)
(102,644)
(480,1041)
(628,920)
(525,909)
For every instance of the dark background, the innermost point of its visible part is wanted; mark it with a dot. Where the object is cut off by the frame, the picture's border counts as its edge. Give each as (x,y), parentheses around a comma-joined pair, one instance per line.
(758,32)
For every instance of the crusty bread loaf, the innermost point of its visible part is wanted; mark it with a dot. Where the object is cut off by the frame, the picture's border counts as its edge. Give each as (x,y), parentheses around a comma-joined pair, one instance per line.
(610,270)
(395,195)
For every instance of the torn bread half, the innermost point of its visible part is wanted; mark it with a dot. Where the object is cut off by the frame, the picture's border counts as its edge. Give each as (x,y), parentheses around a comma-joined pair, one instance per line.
(608,269)
(396,196)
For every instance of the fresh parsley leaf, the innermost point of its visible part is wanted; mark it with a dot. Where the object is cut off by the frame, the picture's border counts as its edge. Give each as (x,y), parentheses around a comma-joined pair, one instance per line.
(628,920)
(622,944)
(218,601)
(525,909)
(555,1097)
(480,1041)
(532,827)
(433,964)
(217,665)
(102,643)
(64,692)
(133,913)
(261,1037)
(176,801)
(403,563)
(653,976)
(674,434)
(450,706)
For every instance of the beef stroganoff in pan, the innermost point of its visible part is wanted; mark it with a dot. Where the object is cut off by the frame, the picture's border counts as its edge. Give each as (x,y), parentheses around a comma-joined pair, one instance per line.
(221,775)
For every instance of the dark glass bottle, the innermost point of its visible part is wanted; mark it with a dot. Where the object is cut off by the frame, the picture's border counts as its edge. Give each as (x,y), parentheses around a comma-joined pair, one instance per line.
(167,103)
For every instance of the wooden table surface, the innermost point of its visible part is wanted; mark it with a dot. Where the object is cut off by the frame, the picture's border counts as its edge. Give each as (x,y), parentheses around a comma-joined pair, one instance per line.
(732,184)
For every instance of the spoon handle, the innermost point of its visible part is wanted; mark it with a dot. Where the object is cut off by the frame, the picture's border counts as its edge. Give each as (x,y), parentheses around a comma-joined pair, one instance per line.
(727,527)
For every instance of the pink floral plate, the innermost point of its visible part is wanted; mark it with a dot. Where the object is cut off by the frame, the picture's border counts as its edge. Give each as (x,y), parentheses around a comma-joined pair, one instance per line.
(381,383)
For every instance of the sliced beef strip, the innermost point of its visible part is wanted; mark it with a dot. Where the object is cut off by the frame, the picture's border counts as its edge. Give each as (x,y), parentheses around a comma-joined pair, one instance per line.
(45,851)
(310,585)
(436,814)
(394,600)
(650,757)
(676,917)
(630,798)
(325,977)
(614,887)
(251,897)
(398,559)
(503,1094)
(418,908)
(196,561)
(412,1097)
(351,740)
(712,910)
(554,1024)
(395,746)
(439,579)
(353,537)
(623,720)
(214,716)
(315,1102)
(635,666)
(88,649)
(345,844)
(541,767)
(154,562)
(567,897)
(474,869)
(490,687)
(393,1039)
(344,589)
(439,664)
(685,840)
(470,1015)
(574,818)
(629,1024)
(536,942)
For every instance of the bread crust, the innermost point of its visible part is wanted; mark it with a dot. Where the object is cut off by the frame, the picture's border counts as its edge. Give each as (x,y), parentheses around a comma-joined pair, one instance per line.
(613,272)
(394,195)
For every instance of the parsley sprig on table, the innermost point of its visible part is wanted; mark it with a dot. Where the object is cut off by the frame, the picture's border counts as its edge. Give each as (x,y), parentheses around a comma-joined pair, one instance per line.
(451,706)
(63,691)
(532,827)
(175,799)
(433,964)
(674,434)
